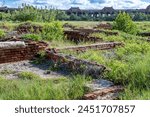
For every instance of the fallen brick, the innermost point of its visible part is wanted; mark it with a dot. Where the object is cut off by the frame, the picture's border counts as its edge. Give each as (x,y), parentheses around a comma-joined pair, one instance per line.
(107,26)
(102,92)
(70,63)
(98,46)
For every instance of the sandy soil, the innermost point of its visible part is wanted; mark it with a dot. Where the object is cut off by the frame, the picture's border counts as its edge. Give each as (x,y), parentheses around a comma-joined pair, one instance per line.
(11,70)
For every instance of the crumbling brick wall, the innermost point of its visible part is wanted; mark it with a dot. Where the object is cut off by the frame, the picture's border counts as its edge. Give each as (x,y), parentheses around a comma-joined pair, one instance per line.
(98,46)
(21,53)
(72,64)
(77,37)
(28,27)
(83,35)
(107,26)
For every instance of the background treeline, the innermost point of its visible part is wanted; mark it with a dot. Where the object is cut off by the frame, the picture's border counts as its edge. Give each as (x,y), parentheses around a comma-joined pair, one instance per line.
(30,13)
(135,17)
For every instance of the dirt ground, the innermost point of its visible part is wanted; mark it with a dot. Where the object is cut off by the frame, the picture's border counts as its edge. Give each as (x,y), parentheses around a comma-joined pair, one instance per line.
(11,70)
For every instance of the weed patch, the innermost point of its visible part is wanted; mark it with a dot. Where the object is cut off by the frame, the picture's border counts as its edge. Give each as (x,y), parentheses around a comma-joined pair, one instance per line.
(43,89)
(28,76)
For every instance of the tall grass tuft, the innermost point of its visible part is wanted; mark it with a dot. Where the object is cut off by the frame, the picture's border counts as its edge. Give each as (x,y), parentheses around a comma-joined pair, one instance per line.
(42,89)
(28,76)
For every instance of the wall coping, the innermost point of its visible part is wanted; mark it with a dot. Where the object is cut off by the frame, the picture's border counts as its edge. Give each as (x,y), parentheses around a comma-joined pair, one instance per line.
(12,44)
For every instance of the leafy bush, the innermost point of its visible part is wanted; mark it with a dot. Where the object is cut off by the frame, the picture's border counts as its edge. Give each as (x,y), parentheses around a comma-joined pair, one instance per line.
(2,33)
(41,57)
(34,37)
(28,13)
(123,22)
(28,76)
(52,31)
(119,73)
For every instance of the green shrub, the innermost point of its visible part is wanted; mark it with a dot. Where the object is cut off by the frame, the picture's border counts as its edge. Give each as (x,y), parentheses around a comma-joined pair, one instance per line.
(2,33)
(34,37)
(123,22)
(28,76)
(41,57)
(52,31)
(119,71)
(28,13)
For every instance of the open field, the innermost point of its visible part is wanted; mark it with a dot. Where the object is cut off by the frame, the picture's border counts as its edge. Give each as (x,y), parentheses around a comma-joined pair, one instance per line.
(120,58)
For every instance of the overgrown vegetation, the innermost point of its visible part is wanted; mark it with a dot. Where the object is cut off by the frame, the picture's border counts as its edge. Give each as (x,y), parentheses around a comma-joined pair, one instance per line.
(123,22)
(2,33)
(28,76)
(52,31)
(47,31)
(40,89)
(34,37)
(129,64)
(31,13)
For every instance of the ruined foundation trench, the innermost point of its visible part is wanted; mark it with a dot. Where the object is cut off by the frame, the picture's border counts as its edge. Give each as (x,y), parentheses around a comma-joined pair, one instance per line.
(20,62)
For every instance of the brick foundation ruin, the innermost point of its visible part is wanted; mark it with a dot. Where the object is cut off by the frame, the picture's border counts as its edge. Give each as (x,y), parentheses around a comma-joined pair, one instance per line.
(66,25)
(17,50)
(77,37)
(28,28)
(70,63)
(96,95)
(19,53)
(31,48)
(83,35)
(106,26)
(98,46)
(90,31)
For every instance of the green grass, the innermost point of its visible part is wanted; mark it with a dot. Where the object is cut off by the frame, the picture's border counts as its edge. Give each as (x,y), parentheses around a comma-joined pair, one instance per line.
(129,64)
(2,33)
(143,26)
(87,24)
(28,76)
(34,37)
(129,67)
(8,26)
(6,72)
(40,89)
